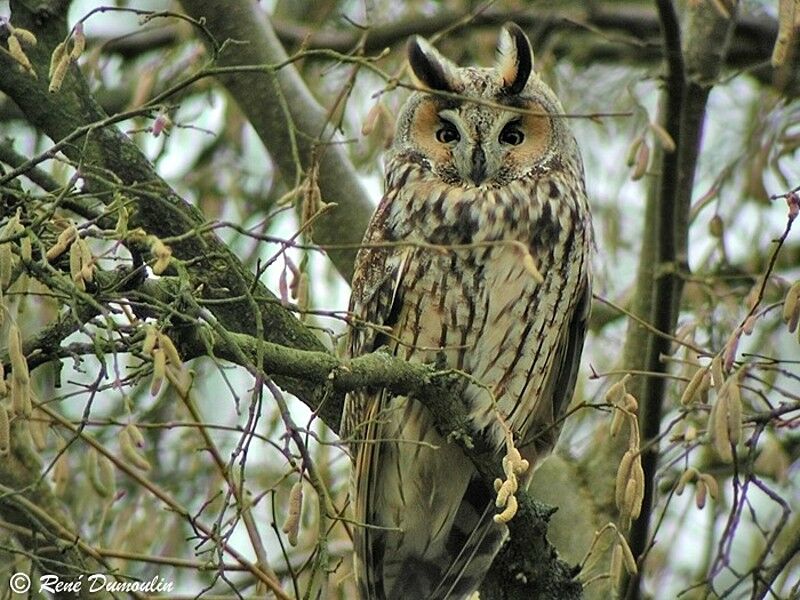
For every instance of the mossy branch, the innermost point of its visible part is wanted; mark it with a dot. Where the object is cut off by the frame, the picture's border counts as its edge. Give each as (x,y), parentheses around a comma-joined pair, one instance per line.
(530,557)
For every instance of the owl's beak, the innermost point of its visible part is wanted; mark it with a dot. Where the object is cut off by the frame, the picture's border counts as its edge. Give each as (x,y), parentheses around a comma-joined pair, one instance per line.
(478,169)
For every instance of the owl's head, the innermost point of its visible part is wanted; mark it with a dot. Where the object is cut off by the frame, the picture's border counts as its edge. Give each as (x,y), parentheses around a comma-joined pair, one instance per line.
(462,132)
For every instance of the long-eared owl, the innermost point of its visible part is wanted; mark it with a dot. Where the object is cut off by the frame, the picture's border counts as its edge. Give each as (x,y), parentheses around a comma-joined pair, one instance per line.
(483,175)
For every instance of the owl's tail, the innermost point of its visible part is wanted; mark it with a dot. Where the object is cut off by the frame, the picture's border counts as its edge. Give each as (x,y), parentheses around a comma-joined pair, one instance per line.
(427,531)
(479,539)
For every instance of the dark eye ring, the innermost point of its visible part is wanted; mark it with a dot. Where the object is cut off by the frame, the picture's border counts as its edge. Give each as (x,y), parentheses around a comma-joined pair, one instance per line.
(511,134)
(447,133)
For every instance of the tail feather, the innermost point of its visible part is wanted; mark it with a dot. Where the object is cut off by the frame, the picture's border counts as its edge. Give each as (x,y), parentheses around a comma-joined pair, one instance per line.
(474,541)
(429,531)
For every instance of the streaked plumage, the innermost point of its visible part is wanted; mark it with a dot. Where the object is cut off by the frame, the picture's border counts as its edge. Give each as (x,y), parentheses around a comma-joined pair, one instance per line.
(464,173)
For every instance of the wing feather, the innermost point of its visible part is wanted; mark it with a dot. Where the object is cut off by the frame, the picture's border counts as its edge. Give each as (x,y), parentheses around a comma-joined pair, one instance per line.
(563,375)
(375,304)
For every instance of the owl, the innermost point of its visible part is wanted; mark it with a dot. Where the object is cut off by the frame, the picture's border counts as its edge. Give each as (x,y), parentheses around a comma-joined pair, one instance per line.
(483,174)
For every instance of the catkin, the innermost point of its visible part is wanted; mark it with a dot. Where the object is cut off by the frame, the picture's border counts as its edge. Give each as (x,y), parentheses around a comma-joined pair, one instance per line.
(20,399)
(791,307)
(615,568)
(19,365)
(616,421)
(136,435)
(18,54)
(716,372)
(623,474)
(371,119)
(99,481)
(65,238)
(663,137)
(642,161)
(711,484)
(687,476)
(312,201)
(25,36)
(59,73)
(718,426)
(629,500)
(78,42)
(105,473)
(87,260)
(75,266)
(170,351)
(5,431)
(616,392)
(628,560)
(700,494)
(55,58)
(159,370)
(292,525)
(734,412)
(150,339)
(129,451)
(162,253)
(637,477)
(691,392)
(6,264)
(633,150)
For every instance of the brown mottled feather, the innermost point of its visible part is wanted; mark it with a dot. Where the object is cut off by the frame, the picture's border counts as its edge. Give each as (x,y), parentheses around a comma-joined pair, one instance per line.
(427,528)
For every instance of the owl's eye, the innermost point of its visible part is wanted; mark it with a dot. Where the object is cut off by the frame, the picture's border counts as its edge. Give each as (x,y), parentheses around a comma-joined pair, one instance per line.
(511,134)
(447,133)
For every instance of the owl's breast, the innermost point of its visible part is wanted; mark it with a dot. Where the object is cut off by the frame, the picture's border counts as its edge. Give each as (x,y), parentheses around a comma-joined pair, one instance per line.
(472,299)
(526,210)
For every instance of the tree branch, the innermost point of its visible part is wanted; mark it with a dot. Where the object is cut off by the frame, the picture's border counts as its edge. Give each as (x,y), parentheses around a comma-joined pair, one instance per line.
(529,560)
(692,68)
(287,117)
(627,32)
(157,208)
(197,333)
(619,33)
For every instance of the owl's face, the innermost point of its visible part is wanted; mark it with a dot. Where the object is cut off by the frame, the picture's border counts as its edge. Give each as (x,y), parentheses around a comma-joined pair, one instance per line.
(465,136)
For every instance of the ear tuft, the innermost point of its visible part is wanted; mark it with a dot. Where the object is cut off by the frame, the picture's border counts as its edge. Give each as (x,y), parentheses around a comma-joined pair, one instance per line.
(515,58)
(430,68)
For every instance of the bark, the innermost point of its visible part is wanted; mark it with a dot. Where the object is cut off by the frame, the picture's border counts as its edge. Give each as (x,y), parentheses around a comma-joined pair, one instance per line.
(694,57)
(290,122)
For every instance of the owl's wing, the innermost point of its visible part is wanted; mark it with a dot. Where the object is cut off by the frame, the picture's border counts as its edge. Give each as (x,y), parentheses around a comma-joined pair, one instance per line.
(561,382)
(571,349)
(375,298)
(375,303)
